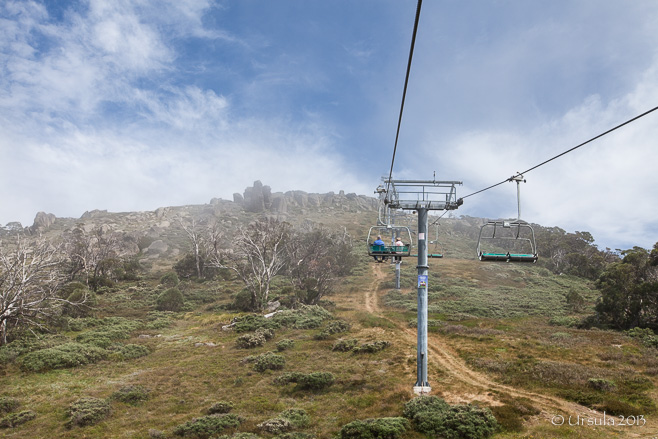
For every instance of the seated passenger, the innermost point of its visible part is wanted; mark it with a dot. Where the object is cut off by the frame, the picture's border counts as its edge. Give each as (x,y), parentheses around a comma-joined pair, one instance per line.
(378,241)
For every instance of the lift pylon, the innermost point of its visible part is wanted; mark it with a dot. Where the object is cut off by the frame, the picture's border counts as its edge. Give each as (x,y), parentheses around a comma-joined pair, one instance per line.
(422,196)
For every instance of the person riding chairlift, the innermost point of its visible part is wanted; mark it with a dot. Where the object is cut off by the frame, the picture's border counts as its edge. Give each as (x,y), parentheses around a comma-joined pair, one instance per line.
(398,243)
(379,241)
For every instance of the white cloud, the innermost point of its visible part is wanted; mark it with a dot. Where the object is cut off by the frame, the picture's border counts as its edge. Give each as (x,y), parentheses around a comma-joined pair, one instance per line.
(605,187)
(64,152)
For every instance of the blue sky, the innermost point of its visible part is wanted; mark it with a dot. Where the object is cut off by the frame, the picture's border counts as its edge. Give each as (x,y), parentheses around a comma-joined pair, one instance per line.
(132,105)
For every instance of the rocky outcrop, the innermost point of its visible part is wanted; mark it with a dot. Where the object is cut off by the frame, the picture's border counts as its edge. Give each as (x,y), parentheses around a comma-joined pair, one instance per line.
(43,221)
(257,198)
(260,199)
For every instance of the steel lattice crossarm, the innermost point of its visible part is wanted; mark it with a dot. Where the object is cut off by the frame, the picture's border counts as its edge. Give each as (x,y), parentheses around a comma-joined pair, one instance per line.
(422,194)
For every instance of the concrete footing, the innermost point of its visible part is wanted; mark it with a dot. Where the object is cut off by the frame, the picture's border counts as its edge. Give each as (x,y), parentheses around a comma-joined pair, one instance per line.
(422,390)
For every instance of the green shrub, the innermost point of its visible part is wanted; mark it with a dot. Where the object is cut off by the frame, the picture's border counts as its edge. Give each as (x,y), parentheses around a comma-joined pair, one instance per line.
(307,381)
(306,317)
(82,300)
(98,282)
(457,422)
(29,343)
(242,435)
(78,324)
(87,411)
(316,381)
(16,419)
(371,348)
(275,426)
(335,327)
(241,301)
(567,321)
(345,345)
(131,394)
(95,338)
(295,435)
(308,322)
(131,351)
(108,330)
(62,356)
(170,280)
(379,428)
(298,417)
(8,404)
(601,384)
(250,341)
(424,404)
(252,322)
(170,300)
(269,361)
(265,332)
(645,335)
(207,426)
(284,344)
(287,378)
(220,407)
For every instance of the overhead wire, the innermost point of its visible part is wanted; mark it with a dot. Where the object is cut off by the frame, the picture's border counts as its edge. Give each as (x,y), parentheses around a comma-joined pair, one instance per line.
(404,92)
(519,174)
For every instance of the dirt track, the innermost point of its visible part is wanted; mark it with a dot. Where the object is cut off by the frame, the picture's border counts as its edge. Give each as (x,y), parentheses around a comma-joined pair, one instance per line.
(475,386)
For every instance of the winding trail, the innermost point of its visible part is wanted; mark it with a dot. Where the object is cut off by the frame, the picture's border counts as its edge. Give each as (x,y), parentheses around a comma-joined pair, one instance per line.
(476,386)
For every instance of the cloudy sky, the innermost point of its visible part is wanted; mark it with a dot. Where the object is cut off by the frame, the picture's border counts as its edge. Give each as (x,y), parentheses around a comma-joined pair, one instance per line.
(135,104)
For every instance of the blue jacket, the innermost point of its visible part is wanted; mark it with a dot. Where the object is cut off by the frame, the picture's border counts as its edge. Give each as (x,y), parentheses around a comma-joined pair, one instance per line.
(378,242)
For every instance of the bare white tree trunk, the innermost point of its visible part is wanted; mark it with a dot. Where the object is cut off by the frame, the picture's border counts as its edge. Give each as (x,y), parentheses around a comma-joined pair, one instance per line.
(30,277)
(256,255)
(196,240)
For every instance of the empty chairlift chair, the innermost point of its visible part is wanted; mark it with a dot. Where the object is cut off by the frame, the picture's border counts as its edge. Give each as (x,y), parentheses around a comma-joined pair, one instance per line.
(507,241)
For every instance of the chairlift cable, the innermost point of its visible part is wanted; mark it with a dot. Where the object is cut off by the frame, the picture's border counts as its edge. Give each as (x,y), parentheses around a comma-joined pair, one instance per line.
(563,153)
(441,216)
(404,92)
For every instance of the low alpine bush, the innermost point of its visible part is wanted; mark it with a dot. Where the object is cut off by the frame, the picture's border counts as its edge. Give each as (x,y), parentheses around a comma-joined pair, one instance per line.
(8,404)
(371,348)
(170,300)
(345,345)
(62,356)
(16,419)
(284,344)
(220,407)
(131,394)
(87,411)
(275,426)
(433,416)
(298,417)
(207,426)
(250,341)
(307,381)
(269,361)
(377,428)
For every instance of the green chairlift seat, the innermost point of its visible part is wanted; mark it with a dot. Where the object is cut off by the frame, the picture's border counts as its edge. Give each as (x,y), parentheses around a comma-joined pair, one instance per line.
(382,252)
(507,234)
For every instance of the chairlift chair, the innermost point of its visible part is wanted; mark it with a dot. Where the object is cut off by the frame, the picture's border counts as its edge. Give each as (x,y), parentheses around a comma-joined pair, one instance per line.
(509,241)
(508,237)
(437,251)
(388,233)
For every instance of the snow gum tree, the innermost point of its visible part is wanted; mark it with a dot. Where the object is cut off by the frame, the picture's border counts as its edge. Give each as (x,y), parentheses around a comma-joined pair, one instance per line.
(256,254)
(30,277)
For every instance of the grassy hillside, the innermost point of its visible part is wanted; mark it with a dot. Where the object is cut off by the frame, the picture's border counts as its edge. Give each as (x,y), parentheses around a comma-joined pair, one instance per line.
(502,336)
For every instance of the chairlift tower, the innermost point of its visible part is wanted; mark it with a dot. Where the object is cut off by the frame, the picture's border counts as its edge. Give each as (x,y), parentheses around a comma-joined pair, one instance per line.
(422,196)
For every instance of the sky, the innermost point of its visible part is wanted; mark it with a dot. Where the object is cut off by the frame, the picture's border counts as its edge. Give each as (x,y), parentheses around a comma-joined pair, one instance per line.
(131,105)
